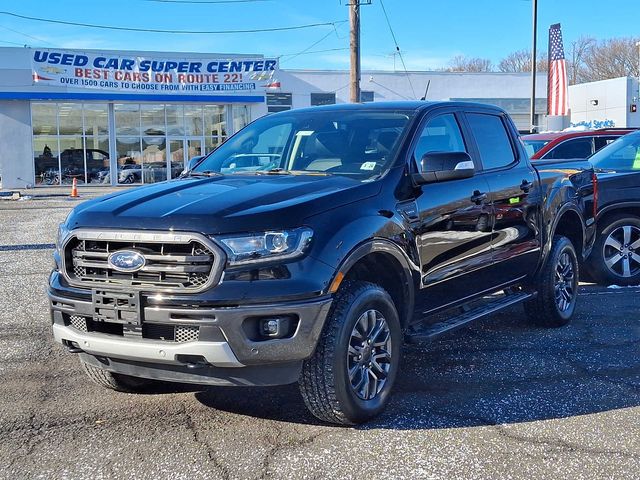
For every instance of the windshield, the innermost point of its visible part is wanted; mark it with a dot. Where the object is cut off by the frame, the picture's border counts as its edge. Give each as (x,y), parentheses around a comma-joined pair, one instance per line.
(621,155)
(532,146)
(355,143)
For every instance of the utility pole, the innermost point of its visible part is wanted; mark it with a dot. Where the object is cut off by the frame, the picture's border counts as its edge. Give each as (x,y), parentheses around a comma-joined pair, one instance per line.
(354,43)
(532,121)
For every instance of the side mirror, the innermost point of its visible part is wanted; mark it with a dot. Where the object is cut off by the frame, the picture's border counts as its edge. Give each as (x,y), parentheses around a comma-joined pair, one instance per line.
(444,166)
(192,163)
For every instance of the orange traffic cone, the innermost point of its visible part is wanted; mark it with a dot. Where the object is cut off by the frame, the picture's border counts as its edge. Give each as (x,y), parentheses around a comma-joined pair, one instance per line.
(74,188)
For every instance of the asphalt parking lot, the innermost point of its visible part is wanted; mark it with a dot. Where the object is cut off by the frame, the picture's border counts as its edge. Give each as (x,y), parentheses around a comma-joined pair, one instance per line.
(500,400)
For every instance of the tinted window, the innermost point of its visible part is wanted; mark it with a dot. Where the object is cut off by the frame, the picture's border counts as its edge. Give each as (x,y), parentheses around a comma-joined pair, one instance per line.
(601,142)
(278,102)
(323,99)
(492,139)
(577,148)
(440,134)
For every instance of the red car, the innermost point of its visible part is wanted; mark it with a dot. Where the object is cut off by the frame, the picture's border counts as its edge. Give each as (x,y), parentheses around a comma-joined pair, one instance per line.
(570,145)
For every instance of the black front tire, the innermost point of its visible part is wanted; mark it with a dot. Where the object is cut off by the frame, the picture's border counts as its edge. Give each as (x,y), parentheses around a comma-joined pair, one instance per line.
(597,266)
(324,381)
(116,381)
(551,307)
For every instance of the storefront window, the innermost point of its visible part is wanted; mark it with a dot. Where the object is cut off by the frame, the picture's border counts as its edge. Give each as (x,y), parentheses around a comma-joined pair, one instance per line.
(62,137)
(193,120)
(152,141)
(152,119)
(175,120)
(215,126)
(240,117)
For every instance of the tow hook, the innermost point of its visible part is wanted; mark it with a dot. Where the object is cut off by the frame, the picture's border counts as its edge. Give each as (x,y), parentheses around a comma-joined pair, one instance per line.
(72,347)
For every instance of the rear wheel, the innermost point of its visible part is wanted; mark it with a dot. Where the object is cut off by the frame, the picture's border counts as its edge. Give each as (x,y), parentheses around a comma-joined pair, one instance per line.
(116,381)
(349,378)
(616,253)
(556,286)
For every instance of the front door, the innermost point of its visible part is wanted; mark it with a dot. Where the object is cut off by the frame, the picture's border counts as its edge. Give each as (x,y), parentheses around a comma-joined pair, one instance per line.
(453,233)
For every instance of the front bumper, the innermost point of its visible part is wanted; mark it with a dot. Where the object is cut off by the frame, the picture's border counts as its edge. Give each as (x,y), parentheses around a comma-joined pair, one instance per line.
(230,348)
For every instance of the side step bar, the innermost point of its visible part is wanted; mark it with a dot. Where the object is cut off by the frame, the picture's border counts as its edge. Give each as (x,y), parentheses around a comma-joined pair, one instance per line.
(426,333)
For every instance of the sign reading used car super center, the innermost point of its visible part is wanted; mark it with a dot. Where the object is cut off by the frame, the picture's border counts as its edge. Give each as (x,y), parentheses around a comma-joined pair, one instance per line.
(144,74)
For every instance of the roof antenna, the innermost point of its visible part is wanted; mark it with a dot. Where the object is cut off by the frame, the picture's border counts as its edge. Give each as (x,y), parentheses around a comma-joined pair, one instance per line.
(426,90)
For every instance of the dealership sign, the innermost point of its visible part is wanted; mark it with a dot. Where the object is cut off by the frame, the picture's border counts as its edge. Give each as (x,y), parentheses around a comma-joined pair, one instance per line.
(65,68)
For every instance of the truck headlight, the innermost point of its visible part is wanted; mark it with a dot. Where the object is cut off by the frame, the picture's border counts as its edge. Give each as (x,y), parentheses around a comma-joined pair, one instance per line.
(267,246)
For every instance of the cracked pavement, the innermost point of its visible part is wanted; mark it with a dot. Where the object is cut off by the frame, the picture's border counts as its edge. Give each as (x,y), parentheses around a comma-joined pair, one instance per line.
(500,399)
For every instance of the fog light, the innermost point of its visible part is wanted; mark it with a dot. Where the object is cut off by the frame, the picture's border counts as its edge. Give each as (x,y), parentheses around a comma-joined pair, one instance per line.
(270,327)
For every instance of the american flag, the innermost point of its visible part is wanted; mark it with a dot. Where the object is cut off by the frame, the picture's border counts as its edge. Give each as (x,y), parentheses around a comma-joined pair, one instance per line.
(557,80)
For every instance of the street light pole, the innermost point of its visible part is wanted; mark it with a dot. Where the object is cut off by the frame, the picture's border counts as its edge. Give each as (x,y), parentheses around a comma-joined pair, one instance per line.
(532,120)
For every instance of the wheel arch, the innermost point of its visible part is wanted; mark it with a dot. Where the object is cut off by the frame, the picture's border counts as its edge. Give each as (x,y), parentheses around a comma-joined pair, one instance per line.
(606,214)
(569,223)
(382,262)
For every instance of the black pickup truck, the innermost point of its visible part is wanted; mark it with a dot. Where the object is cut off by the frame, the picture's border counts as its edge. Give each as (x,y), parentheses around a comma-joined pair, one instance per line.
(312,244)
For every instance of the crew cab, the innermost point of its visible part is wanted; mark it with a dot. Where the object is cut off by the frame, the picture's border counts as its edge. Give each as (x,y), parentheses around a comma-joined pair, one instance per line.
(315,242)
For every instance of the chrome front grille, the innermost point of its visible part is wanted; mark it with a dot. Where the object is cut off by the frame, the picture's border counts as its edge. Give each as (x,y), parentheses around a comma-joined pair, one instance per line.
(181,262)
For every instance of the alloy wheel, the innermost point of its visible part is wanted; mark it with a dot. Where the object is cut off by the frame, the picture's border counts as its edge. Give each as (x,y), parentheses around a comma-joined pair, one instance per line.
(566,282)
(369,355)
(621,251)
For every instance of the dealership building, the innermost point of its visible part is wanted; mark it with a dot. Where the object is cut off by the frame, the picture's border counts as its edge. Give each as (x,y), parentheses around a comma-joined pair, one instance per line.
(123,117)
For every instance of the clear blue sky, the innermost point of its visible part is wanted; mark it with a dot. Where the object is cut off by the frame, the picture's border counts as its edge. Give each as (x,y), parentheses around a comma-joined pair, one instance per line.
(429,32)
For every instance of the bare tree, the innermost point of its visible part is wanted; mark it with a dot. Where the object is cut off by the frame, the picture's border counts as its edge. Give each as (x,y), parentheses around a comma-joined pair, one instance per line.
(615,57)
(520,61)
(460,63)
(577,54)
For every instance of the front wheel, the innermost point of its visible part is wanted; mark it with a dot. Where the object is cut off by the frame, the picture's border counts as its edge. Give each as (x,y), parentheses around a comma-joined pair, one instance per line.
(556,286)
(349,378)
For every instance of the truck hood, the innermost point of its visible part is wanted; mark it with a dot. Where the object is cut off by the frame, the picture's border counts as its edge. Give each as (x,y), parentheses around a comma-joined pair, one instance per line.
(224,204)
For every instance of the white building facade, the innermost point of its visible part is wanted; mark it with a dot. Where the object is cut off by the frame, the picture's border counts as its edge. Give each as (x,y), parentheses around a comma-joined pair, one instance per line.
(607,103)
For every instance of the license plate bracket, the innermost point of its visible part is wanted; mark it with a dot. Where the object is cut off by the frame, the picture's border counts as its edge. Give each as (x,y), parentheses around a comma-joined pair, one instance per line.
(117,307)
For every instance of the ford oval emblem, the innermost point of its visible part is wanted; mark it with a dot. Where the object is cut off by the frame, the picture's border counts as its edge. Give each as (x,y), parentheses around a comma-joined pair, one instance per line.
(127,261)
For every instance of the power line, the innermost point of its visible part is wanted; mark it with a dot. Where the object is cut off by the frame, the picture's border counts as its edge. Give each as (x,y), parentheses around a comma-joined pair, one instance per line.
(393,35)
(184,32)
(13,43)
(340,49)
(306,50)
(25,35)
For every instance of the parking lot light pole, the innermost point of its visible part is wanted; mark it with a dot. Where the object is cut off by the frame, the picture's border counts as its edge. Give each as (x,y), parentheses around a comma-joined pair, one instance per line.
(534,15)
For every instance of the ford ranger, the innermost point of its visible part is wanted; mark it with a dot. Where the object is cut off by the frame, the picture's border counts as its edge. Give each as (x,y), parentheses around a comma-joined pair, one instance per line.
(312,245)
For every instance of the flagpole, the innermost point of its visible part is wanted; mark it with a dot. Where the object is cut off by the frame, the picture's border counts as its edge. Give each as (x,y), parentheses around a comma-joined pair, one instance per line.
(532,121)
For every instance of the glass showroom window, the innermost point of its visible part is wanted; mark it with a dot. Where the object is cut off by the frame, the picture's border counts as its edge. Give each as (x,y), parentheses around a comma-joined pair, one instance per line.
(128,143)
(215,127)
(70,140)
(154,143)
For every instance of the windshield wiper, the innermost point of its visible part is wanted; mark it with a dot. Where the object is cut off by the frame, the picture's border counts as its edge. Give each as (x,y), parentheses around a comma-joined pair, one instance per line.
(206,173)
(283,171)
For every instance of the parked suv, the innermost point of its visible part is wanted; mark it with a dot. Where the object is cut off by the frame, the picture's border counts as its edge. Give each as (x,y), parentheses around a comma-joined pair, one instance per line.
(356,229)
(570,145)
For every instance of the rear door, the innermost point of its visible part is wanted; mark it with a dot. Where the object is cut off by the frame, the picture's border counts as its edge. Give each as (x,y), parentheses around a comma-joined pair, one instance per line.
(515,195)
(453,228)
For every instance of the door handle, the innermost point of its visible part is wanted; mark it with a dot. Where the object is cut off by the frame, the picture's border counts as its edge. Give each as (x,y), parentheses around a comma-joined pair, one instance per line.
(478,197)
(525,186)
